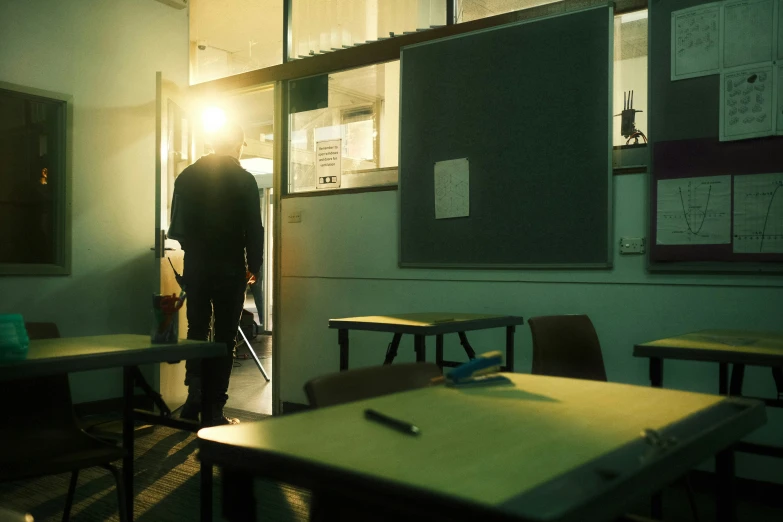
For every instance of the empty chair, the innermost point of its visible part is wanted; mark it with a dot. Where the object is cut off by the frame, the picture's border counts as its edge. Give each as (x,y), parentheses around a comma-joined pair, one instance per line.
(364,383)
(40,433)
(566,346)
(355,385)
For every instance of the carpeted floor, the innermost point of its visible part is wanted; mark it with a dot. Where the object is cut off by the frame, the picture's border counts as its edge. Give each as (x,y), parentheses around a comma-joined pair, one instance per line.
(166,486)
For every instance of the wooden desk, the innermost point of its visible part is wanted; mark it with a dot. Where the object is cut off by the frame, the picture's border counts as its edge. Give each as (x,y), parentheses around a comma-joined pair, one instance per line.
(738,348)
(420,325)
(76,354)
(541,448)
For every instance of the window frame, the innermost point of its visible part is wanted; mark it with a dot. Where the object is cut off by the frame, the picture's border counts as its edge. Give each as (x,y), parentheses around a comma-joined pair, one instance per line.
(62,214)
(373,53)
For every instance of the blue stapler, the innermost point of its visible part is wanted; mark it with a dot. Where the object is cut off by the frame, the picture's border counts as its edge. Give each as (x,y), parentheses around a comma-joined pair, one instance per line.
(480,371)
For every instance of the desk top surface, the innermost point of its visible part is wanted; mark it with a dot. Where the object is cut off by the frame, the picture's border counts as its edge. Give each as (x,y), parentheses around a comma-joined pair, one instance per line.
(425,323)
(738,346)
(74,354)
(492,446)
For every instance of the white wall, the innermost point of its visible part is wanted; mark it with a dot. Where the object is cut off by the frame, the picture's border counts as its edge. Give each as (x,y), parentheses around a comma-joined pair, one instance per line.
(341,261)
(104,53)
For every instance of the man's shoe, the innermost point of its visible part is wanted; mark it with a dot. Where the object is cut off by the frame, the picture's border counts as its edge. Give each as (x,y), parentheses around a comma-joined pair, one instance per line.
(189,412)
(223,421)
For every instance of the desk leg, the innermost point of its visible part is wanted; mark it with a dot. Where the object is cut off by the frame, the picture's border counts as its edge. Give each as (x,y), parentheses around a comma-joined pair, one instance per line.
(725,502)
(420,345)
(439,351)
(205,470)
(127,437)
(656,381)
(239,501)
(737,378)
(723,379)
(391,352)
(510,348)
(656,372)
(463,340)
(342,339)
(724,462)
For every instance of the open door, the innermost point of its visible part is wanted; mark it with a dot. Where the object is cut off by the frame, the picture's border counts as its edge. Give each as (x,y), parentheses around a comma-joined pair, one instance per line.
(174,151)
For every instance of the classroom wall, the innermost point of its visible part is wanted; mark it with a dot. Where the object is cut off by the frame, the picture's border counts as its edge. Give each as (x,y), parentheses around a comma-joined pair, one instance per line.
(105,54)
(341,261)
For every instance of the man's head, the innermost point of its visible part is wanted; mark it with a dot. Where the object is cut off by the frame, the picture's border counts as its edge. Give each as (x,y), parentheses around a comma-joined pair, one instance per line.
(228,140)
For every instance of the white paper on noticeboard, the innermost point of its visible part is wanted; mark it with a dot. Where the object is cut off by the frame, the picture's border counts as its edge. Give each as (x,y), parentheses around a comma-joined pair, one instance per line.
(452,188)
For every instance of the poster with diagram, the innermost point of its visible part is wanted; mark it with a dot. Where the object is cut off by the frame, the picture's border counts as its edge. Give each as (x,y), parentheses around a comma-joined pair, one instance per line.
(694,211)
(779,107)
(747,103)
(780,31)
(758,214)
(695,49)
(748,32)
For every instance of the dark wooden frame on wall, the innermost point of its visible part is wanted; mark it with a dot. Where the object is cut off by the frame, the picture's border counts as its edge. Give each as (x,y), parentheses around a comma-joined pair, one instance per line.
(62,213)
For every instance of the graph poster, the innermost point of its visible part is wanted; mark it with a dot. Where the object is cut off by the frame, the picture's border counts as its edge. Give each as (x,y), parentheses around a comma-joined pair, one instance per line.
(694,211)
(758,214)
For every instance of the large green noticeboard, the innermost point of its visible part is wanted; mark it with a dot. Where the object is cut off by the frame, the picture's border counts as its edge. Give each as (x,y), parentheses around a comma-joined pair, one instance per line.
(528,106)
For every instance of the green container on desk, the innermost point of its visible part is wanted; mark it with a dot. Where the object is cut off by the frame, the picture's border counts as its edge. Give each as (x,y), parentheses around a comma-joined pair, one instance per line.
(13,338)
(165,325)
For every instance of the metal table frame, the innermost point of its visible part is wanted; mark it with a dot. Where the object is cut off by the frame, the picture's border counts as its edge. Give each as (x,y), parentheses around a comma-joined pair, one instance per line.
(420,325)
(107,355)
(729,385)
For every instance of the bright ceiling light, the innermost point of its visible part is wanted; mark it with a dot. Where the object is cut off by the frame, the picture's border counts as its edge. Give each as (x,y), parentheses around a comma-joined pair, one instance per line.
(213,118)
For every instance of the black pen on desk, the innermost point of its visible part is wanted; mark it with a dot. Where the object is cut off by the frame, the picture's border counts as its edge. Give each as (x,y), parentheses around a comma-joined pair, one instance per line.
(394,424)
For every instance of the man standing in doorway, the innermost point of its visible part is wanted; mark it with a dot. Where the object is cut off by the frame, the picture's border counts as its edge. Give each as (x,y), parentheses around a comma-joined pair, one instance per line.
(216,217)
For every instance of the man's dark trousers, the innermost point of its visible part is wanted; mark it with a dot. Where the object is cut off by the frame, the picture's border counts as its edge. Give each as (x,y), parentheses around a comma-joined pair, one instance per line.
(225,295)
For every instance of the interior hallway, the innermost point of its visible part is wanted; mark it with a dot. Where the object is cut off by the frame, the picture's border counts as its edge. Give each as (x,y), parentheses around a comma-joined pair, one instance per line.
(248,390)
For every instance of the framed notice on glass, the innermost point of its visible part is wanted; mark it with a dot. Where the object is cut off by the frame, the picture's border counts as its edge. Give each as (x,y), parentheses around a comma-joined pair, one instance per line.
(328,164)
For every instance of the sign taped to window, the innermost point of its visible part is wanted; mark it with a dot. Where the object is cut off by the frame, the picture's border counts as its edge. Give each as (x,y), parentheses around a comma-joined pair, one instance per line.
(328,164)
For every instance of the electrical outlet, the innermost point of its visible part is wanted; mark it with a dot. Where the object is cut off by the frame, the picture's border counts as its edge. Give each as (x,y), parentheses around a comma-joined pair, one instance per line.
(631,245)
(295,216)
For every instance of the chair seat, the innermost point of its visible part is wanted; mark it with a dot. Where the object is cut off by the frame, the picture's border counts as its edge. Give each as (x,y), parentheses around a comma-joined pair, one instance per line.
(44,452)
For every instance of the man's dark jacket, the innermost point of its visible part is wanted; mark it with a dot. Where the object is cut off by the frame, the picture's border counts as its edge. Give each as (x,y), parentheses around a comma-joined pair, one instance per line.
(216,216)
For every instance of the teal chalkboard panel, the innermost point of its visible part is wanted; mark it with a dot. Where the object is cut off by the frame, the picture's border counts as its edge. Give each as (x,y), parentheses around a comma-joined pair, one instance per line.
(529,105)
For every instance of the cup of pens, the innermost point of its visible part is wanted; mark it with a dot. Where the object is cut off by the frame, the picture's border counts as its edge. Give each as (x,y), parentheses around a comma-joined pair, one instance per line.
(165,318)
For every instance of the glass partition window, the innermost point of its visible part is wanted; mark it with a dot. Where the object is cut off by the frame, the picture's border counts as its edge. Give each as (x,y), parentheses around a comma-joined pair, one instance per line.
(467,10)
(360,119)
(320,26)
(630,76)
(230,37)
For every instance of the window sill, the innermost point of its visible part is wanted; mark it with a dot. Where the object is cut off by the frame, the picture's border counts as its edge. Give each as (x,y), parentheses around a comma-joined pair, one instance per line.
(334,192)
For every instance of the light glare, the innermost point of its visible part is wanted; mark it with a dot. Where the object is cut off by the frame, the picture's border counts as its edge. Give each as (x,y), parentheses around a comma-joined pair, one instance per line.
(213,118)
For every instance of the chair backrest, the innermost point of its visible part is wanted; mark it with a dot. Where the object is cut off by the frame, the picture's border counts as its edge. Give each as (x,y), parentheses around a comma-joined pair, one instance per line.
(42,331)
(566,346)
(365,383)
(39,402)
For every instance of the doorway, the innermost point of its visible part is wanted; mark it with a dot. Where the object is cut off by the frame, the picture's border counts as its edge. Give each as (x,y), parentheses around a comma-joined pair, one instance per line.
(249,389)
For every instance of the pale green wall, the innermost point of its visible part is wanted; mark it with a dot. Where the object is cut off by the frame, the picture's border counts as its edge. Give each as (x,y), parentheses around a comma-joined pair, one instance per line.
(105,55)
(341,261)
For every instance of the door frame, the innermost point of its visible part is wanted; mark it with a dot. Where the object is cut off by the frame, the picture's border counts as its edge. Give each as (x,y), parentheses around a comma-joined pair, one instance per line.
(168,379)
